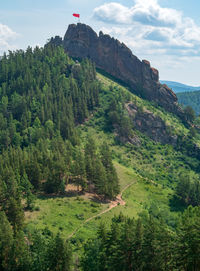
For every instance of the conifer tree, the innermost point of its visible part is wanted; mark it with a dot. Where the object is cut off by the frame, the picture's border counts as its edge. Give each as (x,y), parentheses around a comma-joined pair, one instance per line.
(20,258)
(59,255)
(111,174)
(79,170)
(6,242)
(188,243)
(15,214)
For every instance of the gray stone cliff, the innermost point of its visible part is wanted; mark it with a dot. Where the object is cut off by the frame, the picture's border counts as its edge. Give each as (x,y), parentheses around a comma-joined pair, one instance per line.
(116,58)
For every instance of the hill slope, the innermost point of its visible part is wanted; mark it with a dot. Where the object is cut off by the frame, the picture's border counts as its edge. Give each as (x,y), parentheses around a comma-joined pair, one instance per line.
(190,98)
(152,168)
(71,141)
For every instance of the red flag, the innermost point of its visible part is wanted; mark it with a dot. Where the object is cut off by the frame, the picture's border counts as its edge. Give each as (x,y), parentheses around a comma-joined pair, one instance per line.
(76,15)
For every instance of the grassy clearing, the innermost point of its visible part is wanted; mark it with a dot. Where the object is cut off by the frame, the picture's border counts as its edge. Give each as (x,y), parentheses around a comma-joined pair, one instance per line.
(138,197)
(66,214)
(126,175)
(63,214)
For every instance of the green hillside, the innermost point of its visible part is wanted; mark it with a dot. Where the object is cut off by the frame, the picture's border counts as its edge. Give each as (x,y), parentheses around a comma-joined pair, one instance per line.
(190,99)
(85,166)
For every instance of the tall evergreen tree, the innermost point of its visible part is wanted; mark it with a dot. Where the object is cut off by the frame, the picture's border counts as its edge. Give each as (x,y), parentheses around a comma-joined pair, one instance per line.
(6,242)
(59,255)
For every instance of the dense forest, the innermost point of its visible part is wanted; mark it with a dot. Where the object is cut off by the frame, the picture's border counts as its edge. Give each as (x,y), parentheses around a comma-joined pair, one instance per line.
(145,244)
(190,99)
(44,95)
(49,103)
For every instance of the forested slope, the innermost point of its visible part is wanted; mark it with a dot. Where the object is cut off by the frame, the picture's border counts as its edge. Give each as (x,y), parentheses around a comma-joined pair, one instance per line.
(61,123)
(44,95)
(190,99)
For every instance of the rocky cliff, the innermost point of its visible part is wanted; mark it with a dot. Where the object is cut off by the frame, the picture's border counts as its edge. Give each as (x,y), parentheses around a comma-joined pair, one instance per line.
(151,125)
(116,58)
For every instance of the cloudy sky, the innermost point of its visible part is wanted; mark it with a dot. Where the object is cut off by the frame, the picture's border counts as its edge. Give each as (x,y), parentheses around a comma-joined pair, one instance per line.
(166,32)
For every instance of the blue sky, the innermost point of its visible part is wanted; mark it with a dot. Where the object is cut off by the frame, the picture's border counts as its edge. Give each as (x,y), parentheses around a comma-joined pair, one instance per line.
(166,32)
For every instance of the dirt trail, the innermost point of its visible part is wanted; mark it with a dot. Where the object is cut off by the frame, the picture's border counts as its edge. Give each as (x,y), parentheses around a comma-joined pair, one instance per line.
(112,204)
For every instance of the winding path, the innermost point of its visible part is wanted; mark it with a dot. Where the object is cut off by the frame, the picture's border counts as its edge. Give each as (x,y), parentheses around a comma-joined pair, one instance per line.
(113,204)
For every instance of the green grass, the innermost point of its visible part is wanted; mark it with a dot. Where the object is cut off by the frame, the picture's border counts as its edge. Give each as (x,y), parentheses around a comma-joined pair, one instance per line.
(138,197)
(141,195)
(62,214)
(66,214)
(126,175)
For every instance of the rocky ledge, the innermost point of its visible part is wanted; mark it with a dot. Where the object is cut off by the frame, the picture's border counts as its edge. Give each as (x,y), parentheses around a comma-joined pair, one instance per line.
(151,125)
(116,58)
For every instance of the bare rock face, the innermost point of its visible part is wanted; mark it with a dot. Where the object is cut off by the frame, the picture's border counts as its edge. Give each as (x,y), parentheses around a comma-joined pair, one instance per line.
(151,125)
(116,58)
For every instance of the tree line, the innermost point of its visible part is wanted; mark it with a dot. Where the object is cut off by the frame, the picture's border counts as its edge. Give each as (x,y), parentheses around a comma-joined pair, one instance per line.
(146,243)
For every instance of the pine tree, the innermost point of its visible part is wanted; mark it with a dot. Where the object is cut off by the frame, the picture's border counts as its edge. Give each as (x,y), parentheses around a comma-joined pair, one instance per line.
(20,259)
(188,241)
(137,247)
(100,178)
(15,214)
(183,188)
(27,188)
(59,255)
(79,170)
(91,260)
(90,158)
(112,179)
(6,242)
(150,244)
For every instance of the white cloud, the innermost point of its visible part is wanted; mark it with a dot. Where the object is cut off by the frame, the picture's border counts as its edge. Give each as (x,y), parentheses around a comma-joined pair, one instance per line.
(113,12)
(150,13)
(148,27)
(6,36)
(147,12)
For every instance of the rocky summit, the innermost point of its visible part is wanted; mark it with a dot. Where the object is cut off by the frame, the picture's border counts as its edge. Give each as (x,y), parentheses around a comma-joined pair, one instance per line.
(116,58)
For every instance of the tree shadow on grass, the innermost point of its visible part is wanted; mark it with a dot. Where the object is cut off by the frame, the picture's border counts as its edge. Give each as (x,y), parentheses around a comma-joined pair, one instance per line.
(79,195)
(67,194)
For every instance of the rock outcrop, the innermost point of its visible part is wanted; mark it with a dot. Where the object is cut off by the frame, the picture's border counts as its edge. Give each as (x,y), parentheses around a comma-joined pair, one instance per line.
(151,125)
(116,58)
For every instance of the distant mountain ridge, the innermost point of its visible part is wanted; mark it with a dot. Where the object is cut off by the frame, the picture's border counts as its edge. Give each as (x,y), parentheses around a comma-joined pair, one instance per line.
(179,87)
